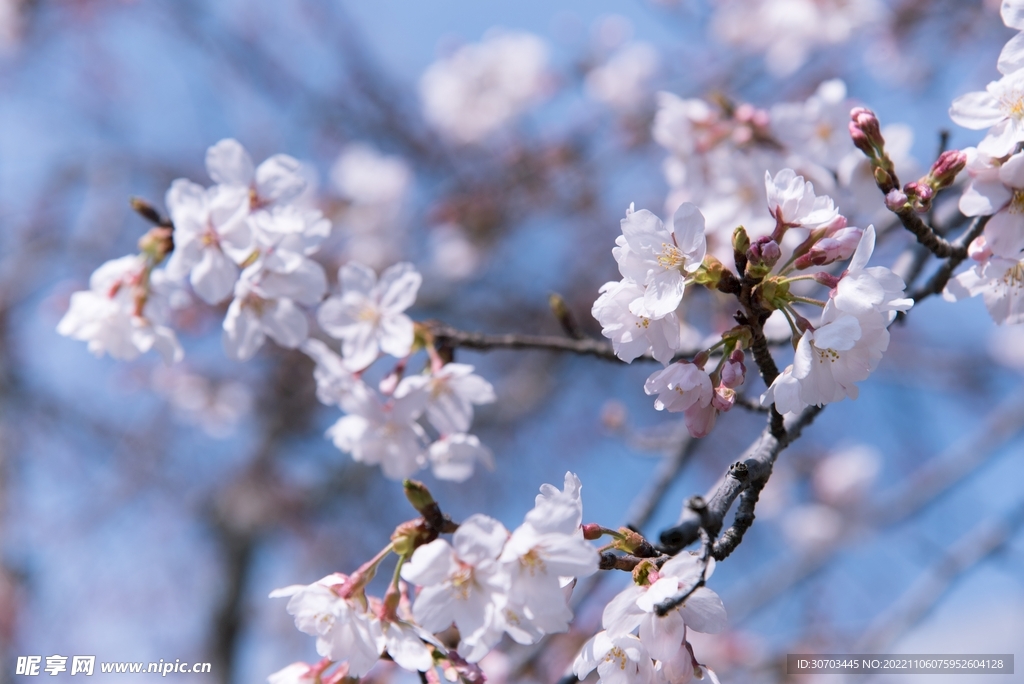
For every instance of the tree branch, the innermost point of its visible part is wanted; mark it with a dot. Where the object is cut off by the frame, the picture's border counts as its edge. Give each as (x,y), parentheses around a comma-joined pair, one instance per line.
(939,279)
(447,335)
(752,471)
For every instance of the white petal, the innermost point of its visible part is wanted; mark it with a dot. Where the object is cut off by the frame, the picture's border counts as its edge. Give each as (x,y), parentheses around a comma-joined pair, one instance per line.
(705,612)
(398,286)
(976,110)
(213,278)
(285,323)
(227,162)
(279,178)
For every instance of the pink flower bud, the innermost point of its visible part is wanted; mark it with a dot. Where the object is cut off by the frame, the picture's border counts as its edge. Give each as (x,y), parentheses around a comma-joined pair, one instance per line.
(592,531)
(734,371)
(841,245)
(866,131)
(723,399)
(745,112)
(896,199)
(946,168)
(764,252)
(835,225)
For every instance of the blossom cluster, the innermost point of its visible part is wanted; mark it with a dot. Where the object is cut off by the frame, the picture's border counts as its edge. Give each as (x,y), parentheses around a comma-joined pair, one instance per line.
(249,238)
(833,352)
(243,238)
(996,188)
(720,151)
(637,646)
(486,582)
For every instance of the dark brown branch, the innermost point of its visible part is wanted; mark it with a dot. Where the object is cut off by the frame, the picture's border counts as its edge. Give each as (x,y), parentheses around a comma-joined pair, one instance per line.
(896,505)
(679,599)
(611,561)
(938,281)
(927,236)
(753,470)
(448,336)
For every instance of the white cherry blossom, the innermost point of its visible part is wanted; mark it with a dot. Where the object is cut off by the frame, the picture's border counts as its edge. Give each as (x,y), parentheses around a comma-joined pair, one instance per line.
(334,381)
(660,258)
(454,457)
(464,583)
(679,387)
(482,87)
(998,274)
(634,607)
(1000,107)
(634,335)
(106,314)
(864,289)
(622,81)
(344,628)
(618,659)
(211,236)
(830,360)
(287,236)
(381,433)
(451,392)
(277,180)
(792,202)
(540,556)
(368,315)
(266,304)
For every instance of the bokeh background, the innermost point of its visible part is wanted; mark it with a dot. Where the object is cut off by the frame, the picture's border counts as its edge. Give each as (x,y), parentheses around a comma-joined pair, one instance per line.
(146,511)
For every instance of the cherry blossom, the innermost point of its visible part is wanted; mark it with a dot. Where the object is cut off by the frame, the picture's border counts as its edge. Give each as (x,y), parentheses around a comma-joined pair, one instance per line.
(464,583)
(634,607)
(679,387)
(344,628)
(381,433)
(108,314)
(864,289)
(450,392)
(829,360)
(1000,108)
(547,548)
(454,457)
(266,304)
(634,335)
(621,82)
(287,236)
(211,236)
(998,274)
(792,202)
(788,31)
(659,257)
(375,188)
(368,315)
(277,180)
(618,659)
